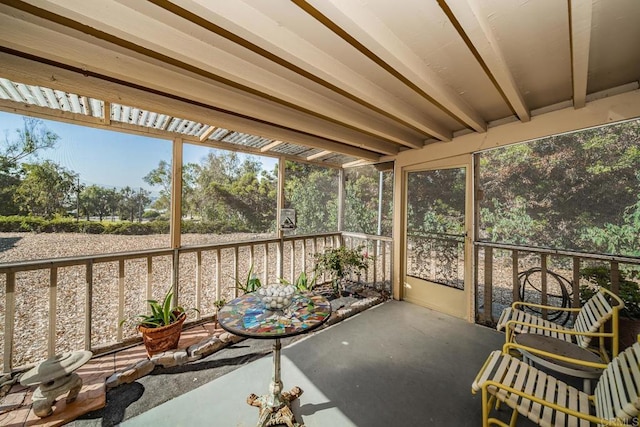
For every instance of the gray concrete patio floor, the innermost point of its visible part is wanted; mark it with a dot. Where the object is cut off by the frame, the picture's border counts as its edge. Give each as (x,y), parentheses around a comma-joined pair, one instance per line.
(395,364)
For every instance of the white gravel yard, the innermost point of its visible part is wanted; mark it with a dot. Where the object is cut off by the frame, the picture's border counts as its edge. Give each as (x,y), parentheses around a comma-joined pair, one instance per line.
(33,290)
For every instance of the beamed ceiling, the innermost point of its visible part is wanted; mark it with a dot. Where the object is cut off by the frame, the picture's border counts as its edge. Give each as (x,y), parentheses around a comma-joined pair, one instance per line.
(326,79)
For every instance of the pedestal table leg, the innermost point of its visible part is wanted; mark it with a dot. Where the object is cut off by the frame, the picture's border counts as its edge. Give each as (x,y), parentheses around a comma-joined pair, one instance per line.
(275,406)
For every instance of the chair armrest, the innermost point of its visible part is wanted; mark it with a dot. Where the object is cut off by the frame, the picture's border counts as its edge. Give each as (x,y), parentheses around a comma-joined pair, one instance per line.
(558,330)
(508,346)
(517,304)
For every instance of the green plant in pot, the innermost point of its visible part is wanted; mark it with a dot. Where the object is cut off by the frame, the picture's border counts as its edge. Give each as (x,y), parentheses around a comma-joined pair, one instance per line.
(629,292)
(340,262)
(303,283)
(162,326)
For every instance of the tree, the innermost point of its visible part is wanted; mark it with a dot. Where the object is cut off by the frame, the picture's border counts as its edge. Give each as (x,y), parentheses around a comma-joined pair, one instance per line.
(361,200)
(46,190)
(133,203)
(571,186)
(161,177)
(313,192)
(95,201)
(30,139)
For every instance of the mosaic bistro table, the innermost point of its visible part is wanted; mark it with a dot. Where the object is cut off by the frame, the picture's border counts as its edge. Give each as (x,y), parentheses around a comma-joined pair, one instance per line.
(246,316)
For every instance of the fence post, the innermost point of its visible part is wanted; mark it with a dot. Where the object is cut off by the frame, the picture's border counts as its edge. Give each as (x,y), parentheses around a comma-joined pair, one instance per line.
(9,320)
(53,293)
(543,283)
(516,281)
(88,311)
(488,284)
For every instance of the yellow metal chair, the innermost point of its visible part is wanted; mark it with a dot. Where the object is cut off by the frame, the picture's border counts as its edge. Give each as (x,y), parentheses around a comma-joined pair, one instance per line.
(589,322)
(548,401)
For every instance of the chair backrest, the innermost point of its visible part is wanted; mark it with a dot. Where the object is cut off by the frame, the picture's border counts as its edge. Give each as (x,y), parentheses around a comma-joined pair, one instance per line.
(595,313)
(617,394)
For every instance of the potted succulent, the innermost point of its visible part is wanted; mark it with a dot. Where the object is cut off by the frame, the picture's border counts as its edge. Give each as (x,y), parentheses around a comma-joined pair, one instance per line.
(161,328)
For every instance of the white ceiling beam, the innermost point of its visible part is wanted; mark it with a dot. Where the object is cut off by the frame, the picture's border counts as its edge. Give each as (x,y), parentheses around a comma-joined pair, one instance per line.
(142,24)
(258,24)
(79,50)
(207,133)
(318,155)
(398,59)
(580,12)
(271,146)
(354,163)
(36,73)
(485,46)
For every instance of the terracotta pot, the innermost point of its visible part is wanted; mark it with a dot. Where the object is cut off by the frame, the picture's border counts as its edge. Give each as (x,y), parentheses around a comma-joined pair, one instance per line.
(158,340)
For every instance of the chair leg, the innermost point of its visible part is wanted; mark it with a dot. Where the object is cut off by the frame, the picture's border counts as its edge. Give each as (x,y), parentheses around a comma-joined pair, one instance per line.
(486,407)
(514,418)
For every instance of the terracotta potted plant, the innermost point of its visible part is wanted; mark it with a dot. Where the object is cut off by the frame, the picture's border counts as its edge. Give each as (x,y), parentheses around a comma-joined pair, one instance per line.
(161,328)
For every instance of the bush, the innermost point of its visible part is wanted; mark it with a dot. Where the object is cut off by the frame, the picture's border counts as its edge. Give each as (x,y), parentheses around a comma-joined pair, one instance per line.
(601,276)
(339,262)
(151,215)
(11,224)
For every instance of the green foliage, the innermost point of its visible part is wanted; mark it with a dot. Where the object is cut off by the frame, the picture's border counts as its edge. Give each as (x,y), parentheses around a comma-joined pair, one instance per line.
(436,201)
(573,191)
(313,192)
(151,215)
(339,262)
(361,200)
(46,189)
(502,220)
(32,138)
(162,313)
(600,276)
(303,283)
(250,284)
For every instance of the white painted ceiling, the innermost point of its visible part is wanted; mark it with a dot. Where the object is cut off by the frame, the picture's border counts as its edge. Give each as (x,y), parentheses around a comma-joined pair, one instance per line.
(343,79)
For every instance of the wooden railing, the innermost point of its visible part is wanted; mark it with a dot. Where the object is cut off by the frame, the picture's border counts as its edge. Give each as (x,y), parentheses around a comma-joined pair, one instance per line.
(83,299)
(506,273)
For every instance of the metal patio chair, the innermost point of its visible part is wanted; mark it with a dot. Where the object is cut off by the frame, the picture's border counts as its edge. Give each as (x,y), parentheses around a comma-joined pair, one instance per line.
(589,322)
(548,401)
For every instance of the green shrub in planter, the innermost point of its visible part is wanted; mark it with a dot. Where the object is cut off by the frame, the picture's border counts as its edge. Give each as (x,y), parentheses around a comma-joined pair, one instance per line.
(339,262)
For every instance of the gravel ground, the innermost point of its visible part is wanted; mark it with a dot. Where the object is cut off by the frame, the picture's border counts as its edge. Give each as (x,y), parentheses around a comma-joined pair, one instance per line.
(32,287)
(32,291)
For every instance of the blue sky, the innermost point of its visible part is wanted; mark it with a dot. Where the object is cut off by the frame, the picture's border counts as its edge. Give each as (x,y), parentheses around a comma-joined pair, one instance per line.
(107,158)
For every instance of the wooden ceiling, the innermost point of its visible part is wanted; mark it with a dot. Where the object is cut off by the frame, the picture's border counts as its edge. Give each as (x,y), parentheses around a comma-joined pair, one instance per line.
(360,79)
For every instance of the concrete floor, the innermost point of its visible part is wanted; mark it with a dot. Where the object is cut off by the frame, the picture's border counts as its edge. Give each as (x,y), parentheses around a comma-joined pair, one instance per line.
(395,364)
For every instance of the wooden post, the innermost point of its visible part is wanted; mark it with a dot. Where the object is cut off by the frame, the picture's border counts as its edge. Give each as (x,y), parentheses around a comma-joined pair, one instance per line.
(53,293)
(516,281)
(543,284)
(88,308)
(280,206)
(9,320)
(488,284)
(176,193)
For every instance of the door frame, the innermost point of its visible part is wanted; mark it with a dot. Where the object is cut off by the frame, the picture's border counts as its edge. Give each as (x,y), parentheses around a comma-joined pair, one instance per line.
(467,310)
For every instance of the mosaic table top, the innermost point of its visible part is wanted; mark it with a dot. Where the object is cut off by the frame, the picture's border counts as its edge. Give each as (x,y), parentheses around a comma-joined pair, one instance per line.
(246,316)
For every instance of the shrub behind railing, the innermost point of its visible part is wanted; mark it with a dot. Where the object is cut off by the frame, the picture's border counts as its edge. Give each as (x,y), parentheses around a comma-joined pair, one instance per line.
(21,224)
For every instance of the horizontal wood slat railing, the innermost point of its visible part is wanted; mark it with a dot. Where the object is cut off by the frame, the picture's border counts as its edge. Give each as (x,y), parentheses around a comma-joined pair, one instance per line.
(199,276)
(495,291)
